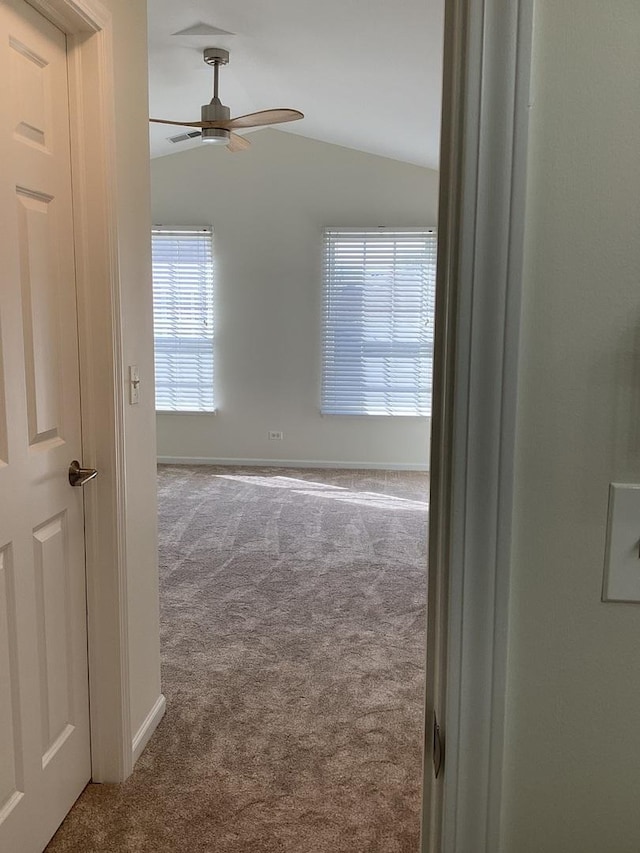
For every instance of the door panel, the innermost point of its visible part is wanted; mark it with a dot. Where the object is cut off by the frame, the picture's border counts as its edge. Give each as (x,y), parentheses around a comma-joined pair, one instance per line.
(11,775)
(31,73)
(44,713)
(54,640)
(39,300)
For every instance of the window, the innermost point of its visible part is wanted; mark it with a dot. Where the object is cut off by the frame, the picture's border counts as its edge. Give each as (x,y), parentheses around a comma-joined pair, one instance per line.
(183,319)
(379,306)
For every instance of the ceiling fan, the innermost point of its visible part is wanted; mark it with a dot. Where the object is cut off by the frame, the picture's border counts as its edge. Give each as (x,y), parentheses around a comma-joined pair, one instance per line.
(216,122)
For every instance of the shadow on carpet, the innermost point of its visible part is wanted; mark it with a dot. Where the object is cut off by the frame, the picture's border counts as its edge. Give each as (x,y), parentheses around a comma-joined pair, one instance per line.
(293,631)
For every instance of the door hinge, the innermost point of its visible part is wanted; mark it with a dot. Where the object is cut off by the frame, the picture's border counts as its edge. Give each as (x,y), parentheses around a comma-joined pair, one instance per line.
(438,748)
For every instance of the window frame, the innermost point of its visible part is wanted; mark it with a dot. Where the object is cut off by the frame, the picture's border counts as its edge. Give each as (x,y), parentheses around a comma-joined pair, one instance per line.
(208,286)
(329,392)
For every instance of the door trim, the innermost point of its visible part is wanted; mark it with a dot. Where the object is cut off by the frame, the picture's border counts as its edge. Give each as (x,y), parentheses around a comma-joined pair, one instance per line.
(88,26)
(482,209)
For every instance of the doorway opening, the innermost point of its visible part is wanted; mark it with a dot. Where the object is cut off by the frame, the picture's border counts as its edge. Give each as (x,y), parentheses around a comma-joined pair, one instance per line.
(293,581)
(293,523)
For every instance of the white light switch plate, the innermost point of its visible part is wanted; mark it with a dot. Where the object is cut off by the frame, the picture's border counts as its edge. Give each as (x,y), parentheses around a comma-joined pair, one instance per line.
(622,553)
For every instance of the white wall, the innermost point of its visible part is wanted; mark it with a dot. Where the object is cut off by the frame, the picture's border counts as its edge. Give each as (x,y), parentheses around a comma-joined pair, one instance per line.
(268,207)
(573,718)
(132,164)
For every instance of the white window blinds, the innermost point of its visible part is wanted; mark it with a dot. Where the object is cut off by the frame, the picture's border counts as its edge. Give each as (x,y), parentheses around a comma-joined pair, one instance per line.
(379,312)
(183,319)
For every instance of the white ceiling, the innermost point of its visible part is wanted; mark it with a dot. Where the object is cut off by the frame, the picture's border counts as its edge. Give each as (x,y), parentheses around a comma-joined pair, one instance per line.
(366,73)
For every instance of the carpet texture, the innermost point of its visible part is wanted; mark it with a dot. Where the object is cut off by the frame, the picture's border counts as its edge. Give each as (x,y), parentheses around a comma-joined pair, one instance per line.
(293,630)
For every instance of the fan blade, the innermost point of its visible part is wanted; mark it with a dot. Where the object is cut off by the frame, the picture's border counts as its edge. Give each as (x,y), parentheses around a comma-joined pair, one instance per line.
(238,143)
(264,117)
(259,119)
(181,123)
(223,124)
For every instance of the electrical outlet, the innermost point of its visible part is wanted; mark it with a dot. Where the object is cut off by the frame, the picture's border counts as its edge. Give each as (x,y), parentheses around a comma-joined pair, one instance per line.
(275,435)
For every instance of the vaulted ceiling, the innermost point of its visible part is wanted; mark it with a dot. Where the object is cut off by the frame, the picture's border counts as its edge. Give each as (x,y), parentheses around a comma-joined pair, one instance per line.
(366,73)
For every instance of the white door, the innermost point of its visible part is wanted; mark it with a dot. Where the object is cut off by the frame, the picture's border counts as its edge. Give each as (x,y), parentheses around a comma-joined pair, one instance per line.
(44,706)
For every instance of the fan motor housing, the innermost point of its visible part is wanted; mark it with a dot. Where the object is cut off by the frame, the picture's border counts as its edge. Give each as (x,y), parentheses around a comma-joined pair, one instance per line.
(215,111)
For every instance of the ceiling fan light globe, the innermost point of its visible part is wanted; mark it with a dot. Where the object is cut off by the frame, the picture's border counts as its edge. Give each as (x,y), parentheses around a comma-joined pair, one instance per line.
(215,135)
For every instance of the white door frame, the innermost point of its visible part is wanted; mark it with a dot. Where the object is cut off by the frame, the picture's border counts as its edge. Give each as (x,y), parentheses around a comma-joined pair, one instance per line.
(482,207)
(87,24)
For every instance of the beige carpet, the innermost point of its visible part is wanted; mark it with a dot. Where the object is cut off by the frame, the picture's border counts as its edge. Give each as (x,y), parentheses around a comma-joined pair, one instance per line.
(293,611)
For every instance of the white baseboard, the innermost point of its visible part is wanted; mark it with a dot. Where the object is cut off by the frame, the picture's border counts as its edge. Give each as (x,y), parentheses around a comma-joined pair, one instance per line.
(292,463)
(148,727)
